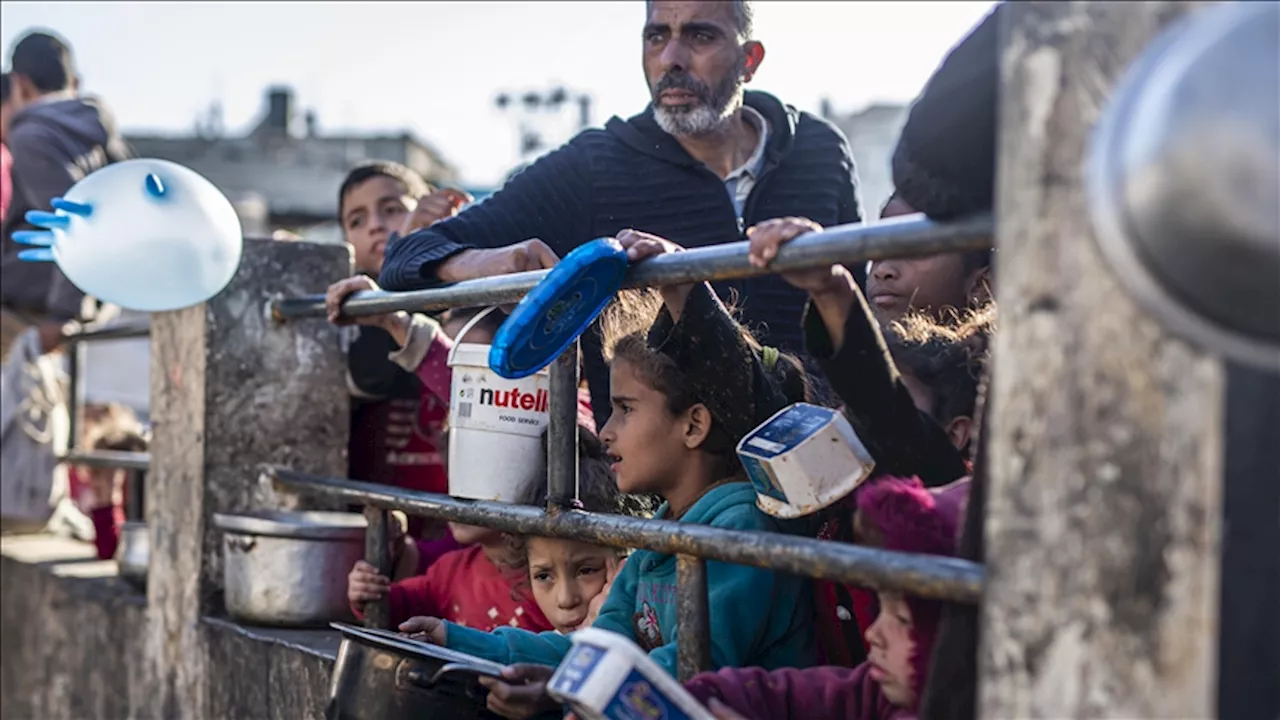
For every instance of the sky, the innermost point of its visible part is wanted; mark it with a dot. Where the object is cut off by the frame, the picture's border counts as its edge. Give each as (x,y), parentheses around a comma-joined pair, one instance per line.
(435,67)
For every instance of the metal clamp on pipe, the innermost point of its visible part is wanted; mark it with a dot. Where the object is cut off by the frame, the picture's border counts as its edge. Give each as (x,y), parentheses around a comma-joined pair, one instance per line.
(911,236)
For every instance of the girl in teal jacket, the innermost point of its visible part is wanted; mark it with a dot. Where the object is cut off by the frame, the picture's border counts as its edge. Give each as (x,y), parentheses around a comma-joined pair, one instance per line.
(683,394)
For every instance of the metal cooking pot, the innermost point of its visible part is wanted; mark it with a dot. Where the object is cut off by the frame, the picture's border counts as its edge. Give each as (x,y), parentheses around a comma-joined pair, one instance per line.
(380,675)
(133,553)
(289,568)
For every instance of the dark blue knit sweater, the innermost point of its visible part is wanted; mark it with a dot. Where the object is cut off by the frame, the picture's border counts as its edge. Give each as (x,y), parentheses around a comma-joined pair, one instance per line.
(631,174)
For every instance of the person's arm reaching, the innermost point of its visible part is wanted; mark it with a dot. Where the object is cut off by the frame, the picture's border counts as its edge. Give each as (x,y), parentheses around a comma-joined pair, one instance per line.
(842,334)
(819,693)
(549,200)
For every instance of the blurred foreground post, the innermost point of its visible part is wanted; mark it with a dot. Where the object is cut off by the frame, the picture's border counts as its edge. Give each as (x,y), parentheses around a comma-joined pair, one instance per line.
(1104,516)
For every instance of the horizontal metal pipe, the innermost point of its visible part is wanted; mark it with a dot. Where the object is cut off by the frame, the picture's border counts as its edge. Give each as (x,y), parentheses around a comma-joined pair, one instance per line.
(925,576)
(109,459)
(110,332)
(911,236)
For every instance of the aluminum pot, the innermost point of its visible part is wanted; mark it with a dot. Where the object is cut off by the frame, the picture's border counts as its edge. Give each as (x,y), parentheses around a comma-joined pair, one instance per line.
(380,675)
(289,568)
(133,553)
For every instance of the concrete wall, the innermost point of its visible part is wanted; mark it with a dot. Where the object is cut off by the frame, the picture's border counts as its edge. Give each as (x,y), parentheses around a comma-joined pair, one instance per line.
(73,636)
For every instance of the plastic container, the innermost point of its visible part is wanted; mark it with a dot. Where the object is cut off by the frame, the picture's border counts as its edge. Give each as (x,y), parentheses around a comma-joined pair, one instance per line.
(559,308)
(605,676)
(803,459)
(495,425)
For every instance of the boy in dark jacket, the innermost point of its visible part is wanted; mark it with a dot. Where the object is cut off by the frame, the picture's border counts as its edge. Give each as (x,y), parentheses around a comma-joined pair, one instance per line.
(56,137)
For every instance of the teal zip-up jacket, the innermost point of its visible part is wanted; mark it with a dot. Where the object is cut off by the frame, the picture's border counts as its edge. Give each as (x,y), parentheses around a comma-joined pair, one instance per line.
(758,617)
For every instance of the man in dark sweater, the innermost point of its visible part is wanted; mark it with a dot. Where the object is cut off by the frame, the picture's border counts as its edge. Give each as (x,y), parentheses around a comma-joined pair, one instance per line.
(703,162)
(56,137)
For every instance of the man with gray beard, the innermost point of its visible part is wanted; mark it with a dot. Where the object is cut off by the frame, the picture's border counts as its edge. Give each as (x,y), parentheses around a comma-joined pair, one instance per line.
(703,163)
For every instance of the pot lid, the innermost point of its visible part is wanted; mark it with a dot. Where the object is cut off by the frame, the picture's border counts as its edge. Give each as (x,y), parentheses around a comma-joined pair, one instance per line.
(404,645)
(288,524)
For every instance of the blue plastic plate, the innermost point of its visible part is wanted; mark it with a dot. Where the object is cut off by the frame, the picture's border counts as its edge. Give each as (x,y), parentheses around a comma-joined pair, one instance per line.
(558,309)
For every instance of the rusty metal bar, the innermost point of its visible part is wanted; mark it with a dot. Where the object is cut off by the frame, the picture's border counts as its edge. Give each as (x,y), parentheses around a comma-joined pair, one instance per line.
(135,497)
(911,236)
(377,613)
(74,405)
(111,332)
(942,578)
(693,617)
(562,430)
(108,459)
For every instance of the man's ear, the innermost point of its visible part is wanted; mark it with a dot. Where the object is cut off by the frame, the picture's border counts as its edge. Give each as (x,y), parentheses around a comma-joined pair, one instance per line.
(960,430)
(697,426)
(755,55)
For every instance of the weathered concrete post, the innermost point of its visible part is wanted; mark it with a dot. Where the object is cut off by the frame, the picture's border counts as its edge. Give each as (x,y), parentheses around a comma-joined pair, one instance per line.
(1103,524)
(230,389)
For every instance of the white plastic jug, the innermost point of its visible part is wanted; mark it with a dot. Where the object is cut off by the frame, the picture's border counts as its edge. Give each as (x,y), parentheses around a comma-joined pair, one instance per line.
(495,425)
(606,676)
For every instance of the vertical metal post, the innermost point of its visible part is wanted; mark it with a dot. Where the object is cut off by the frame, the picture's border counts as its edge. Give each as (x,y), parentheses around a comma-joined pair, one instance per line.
(693,636)
(73,396)
(377,614)
(562,431)
(134,510)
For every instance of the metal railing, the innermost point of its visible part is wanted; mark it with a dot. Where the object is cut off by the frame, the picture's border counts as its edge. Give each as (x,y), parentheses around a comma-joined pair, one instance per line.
(937,577)
(137,463)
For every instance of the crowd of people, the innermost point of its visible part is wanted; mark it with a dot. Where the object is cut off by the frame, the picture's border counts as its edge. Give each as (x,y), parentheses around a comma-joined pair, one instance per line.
(674,377)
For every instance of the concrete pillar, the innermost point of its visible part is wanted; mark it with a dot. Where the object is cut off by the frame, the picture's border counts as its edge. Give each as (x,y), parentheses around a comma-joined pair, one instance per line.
(230,389)
(1104,514)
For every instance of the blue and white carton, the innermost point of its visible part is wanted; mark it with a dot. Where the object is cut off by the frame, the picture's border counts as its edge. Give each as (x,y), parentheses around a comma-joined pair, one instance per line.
(803,459)
(606,676)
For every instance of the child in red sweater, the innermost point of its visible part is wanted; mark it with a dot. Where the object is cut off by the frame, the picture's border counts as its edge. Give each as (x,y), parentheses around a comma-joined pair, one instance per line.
(538,584)
(483,585)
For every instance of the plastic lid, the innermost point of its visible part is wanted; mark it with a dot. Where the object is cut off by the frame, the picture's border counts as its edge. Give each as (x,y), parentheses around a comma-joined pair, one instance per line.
(558,309)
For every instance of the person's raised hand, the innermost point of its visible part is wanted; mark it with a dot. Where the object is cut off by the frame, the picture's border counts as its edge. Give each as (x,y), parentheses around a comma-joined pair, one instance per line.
(426,629)
(521,257)
(832,287)
(764,241)
(366,584)
(431,209)
(522,693)
(641,246)
(396,323)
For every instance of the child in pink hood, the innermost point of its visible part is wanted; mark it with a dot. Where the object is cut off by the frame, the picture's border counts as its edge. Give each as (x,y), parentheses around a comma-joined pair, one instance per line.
(894,514)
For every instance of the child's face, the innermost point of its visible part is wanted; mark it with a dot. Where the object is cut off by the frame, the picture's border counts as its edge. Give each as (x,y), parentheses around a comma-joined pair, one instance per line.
(565,576)
(371,211)
(474,534)
(891,647)
(642,436)
(930,283)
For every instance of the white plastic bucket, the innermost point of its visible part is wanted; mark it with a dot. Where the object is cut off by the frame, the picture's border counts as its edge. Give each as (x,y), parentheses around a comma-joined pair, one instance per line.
(605,676)
(495,425)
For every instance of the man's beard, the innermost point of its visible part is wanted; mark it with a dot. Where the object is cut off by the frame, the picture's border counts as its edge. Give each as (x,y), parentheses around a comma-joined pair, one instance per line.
(708,115)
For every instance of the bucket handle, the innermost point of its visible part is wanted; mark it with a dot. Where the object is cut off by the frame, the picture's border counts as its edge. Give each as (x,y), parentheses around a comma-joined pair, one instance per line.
(467,328)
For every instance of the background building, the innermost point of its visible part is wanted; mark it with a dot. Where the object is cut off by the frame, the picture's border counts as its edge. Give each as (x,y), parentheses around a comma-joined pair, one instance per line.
(285,174)
(872,134)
